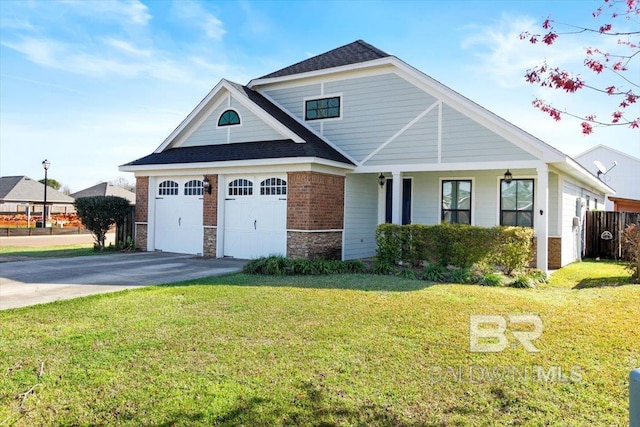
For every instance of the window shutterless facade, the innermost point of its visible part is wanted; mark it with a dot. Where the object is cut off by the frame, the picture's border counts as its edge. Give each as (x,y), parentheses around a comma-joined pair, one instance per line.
(322,108)
(168,188)
(516,202)
(229,118)
(456,202)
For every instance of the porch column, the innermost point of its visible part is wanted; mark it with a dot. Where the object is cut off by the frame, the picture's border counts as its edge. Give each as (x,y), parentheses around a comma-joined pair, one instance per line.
(396,217)
(541,215)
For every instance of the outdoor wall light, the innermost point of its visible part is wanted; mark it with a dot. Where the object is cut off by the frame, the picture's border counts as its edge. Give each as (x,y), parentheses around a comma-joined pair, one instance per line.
(382,179)
(508,176)
(206,184)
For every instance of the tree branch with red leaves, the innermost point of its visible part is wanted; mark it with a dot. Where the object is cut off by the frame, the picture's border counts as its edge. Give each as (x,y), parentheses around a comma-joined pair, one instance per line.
(620,65)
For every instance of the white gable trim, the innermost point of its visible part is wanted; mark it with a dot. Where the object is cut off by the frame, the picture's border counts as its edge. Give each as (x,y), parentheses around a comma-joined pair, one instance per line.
(209,103)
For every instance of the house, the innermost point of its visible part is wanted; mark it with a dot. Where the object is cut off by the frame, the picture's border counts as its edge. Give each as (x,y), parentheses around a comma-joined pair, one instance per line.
(620,171)
(106,189)
(308,160)
(21,194)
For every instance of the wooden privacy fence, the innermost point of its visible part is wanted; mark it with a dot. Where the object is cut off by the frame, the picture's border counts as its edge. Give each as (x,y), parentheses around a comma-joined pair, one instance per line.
(604,233)
(124,231)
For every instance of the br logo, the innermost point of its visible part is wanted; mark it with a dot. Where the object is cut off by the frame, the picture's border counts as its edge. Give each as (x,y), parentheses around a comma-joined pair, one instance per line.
(487,333)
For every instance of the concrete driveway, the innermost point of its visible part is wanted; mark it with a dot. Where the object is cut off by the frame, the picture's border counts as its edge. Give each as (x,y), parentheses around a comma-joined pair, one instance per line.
(36,281)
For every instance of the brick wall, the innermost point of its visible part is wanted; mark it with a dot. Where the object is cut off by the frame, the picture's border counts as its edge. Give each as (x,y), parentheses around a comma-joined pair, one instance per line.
(324,245)
(210,204)
(315,201)
(142,199)
(210,242)
(554,253)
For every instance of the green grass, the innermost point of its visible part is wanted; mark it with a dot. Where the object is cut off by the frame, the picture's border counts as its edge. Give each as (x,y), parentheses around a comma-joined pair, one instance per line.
(60,251)
(348,350)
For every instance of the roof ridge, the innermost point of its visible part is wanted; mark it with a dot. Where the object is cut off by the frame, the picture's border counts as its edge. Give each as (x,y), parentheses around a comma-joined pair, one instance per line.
(350,53)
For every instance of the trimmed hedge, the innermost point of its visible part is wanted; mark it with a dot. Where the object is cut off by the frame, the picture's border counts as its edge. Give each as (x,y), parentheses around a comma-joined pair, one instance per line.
(507,248)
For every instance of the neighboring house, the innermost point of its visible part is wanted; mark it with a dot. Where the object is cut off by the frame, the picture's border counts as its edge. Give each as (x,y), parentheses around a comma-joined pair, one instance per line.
(21,194)
(308,160)
(106,189)
(624,177)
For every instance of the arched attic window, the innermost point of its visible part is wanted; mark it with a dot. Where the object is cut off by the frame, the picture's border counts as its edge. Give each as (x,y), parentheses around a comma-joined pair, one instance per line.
(229,118)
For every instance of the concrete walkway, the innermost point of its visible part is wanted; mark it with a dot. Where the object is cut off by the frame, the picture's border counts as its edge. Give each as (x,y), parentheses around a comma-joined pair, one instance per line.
(36,281)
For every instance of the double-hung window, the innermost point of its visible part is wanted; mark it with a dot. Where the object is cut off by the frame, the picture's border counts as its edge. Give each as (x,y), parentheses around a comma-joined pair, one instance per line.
(456,202)
(516,202)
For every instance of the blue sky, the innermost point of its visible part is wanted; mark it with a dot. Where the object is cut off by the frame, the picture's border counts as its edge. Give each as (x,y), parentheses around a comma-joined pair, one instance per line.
(91,85)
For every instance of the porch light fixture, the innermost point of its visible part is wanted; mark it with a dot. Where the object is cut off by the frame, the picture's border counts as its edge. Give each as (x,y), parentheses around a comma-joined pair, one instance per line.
(382,179)
(508,176)
(206,184)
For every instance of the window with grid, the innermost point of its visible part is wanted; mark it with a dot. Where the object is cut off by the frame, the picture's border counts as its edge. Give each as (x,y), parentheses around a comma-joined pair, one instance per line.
(240,187)
(193,188)
(456,202)
(273,187)
(324,108)
(516,202)
(168,188)
(229,118)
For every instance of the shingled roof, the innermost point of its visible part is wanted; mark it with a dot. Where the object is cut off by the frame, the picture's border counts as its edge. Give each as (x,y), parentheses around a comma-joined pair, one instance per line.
(352,53)
(25,189)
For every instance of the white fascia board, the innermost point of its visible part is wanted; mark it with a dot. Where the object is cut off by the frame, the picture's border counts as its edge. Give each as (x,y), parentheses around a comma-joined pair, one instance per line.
(207,103)
(318,73)
(579,172)
(441,167)
(227,166)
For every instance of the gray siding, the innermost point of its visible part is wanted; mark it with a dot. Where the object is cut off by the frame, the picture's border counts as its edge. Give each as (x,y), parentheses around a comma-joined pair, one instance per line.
(292,100)
(554,221)
(571,236)
(464,140)
(251,128)
(361,216)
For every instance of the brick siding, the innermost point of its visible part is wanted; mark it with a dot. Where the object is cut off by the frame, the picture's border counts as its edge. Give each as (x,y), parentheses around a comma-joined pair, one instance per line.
(142,199)
(210,204)
(315,201)
(141,237)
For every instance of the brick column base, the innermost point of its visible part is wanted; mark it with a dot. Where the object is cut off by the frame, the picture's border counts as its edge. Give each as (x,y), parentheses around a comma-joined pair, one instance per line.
(141,237)
(210,241)
(314,245)
(554,251)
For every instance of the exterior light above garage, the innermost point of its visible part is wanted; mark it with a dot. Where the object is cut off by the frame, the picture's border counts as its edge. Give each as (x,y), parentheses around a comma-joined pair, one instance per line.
(206,184)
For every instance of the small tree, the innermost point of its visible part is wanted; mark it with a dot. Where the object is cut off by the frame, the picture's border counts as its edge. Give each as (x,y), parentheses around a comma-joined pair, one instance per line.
(99,213)
(632,248)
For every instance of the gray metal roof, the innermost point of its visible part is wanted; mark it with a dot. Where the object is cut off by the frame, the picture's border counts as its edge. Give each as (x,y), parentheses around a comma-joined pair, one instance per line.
(105,189)
(25,189)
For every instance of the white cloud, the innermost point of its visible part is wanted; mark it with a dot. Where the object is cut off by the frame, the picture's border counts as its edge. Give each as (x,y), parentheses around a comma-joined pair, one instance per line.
(126,47)
(194,14)
(127,11)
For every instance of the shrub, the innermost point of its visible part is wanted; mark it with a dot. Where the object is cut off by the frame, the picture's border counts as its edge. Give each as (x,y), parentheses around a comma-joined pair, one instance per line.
(279,265)
(98,214)
(514,249)
(407,273)
(460,275)
(631,238)
(523,282)
(384,268)
(434,273)
(491,279)
(538,276)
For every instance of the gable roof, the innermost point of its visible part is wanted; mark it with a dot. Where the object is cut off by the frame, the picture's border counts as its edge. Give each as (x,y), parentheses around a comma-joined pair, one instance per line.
(24,189)
(352,53)
(303,141)
(105,189)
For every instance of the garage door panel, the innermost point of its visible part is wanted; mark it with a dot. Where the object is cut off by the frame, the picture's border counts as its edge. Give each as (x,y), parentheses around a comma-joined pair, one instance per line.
(255,224)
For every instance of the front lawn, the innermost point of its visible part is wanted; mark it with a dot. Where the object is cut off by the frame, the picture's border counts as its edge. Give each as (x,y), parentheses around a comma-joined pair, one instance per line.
(352,350)
(57,251)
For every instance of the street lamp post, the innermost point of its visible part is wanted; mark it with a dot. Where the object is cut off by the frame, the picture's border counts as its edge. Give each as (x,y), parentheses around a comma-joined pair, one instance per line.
(45,164)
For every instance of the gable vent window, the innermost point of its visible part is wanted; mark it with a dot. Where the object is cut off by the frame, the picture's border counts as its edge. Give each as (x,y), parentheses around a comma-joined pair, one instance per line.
(168,188)
(324,108)
(241,187)
(193,188)
(273,187)
(229,118)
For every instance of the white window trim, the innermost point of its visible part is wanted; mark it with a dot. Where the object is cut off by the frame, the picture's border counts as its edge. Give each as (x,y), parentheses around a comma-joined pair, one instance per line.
(323,96)
(473,196)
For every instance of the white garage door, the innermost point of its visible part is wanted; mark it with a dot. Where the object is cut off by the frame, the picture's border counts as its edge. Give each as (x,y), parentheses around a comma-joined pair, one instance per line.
(178,226)
(255,216)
